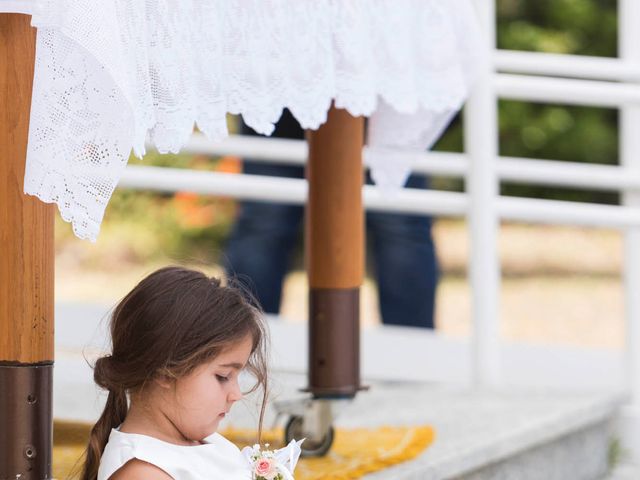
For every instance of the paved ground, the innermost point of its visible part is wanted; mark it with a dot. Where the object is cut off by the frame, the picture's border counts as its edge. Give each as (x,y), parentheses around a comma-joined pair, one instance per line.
(625,471)
(472,427)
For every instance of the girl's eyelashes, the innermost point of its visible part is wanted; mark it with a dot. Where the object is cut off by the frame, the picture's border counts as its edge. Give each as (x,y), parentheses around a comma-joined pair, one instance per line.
(222,378)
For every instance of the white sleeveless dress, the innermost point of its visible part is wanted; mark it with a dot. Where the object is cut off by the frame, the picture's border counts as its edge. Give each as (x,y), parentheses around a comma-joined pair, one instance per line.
(218,458)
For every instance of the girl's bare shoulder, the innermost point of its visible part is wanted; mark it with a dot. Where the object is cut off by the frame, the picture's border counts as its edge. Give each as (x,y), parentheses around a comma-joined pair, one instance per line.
(137,469)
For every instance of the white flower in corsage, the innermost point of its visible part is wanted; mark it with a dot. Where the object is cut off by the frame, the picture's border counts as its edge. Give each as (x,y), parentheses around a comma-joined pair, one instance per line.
(273,465)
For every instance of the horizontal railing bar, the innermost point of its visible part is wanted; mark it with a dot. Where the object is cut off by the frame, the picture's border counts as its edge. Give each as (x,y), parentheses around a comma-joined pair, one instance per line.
(567,174)
(283,190)
(566,91)
(418,201)
(509,169)
(286,190)
(557,212)
(294,152)
(574,66)
(280,150)
(244,187)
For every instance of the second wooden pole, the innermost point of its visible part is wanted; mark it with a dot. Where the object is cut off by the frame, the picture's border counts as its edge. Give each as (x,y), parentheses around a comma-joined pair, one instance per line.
(334,241)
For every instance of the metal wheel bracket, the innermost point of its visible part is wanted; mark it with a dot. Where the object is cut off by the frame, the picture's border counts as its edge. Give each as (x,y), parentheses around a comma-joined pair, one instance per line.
(317,420)
(317,414)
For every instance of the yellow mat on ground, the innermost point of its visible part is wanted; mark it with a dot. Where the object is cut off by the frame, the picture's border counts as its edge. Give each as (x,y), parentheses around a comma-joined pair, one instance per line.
(354,453)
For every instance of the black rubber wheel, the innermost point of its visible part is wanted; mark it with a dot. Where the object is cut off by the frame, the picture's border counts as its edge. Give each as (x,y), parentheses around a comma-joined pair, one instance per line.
(293,431)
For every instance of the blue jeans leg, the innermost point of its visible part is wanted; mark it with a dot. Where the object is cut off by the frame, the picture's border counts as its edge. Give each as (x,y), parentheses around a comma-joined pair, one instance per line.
(406,265)
(259,248)
(258,251)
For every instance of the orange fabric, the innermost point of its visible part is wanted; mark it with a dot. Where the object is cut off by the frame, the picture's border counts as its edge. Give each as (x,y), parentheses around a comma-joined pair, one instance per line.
(355,452)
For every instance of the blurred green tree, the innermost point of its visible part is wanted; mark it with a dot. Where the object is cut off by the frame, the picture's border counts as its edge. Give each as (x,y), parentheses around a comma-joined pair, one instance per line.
(554,132)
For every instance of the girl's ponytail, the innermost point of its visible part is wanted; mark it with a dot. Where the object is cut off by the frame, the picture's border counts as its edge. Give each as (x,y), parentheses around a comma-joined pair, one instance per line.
(113,415)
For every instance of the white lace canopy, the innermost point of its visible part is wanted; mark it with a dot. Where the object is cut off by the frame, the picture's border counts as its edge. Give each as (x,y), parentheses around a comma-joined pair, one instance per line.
(110,73)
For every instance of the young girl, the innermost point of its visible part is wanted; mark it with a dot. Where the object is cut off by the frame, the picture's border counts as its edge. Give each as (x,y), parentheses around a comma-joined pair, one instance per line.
(179,343)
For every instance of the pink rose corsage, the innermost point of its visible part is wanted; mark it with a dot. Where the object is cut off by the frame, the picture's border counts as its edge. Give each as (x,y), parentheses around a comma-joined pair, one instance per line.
(273,465)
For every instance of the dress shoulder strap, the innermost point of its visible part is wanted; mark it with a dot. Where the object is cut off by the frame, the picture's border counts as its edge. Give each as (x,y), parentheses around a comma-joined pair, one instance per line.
(122,448)
(217,458)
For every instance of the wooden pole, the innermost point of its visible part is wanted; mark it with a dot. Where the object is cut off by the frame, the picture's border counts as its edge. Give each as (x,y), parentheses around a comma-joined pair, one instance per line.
(335,254)
(26,273)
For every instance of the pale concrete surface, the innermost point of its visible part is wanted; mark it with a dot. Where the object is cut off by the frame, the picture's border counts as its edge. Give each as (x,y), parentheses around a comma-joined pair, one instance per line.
(625,471)
(473,428)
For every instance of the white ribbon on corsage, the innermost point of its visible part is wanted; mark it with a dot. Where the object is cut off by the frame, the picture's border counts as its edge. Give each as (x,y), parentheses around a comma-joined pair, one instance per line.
(273,465)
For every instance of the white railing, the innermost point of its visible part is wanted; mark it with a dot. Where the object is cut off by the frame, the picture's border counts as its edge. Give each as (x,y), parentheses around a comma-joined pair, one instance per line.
(481,144)
(629,48)
(601,82)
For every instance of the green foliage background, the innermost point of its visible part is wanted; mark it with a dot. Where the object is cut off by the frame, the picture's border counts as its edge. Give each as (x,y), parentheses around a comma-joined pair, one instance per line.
(553,132)
(149,225)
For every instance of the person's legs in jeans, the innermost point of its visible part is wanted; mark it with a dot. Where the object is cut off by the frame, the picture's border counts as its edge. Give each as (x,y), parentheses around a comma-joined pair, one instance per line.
(265,234)
(406,265)
(259,248)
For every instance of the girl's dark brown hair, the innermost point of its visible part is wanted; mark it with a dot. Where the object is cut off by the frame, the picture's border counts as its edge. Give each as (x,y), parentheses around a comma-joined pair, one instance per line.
(170,323)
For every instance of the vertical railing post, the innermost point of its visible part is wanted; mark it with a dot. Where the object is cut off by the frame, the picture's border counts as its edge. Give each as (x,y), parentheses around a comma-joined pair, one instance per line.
(481,145)
(629,51)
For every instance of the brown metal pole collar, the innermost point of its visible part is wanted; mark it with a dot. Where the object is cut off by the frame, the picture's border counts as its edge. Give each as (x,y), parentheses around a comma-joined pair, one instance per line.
(26,431)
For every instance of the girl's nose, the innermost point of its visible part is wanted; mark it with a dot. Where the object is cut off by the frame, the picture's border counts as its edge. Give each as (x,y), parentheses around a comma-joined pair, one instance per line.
(235,394)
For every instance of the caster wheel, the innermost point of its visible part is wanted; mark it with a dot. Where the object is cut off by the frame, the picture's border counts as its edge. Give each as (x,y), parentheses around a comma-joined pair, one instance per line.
(293,430)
